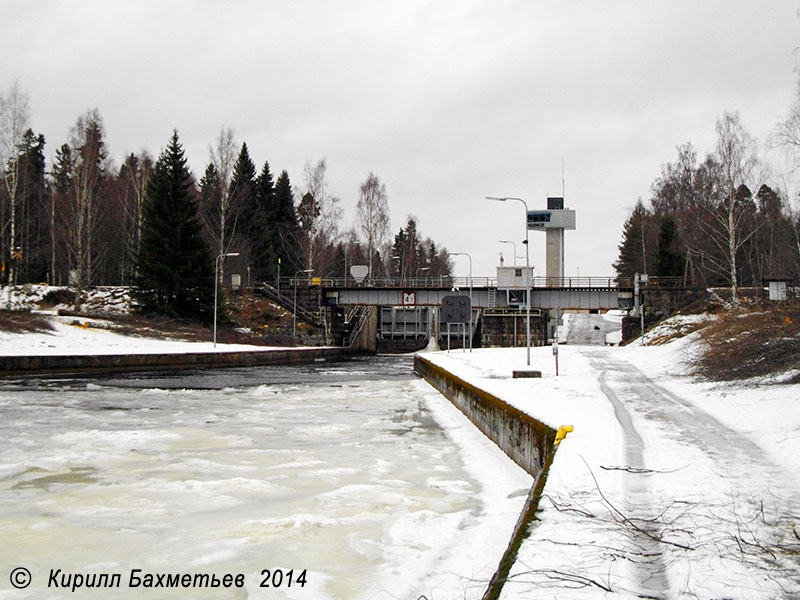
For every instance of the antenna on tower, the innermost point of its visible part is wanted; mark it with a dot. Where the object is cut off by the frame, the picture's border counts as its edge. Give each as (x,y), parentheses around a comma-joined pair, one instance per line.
(563,184)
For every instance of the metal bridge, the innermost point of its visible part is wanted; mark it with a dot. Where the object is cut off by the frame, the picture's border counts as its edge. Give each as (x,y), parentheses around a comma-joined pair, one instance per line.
(407,308)
(576,293)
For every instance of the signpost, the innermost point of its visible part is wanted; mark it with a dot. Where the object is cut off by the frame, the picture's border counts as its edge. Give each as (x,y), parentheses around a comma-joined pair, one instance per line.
(456,309)
(638,299)
(555,353)
(359,272)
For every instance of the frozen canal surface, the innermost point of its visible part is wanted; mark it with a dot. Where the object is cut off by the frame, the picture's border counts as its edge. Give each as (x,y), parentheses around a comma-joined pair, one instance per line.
(337,469)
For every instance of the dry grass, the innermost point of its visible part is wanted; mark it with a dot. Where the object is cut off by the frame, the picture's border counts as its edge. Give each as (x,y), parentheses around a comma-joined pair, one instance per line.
(190,331)
(667,332)
(23,321)
(755,342)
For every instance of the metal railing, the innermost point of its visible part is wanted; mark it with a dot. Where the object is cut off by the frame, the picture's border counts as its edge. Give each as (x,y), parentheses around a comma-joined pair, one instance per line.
(356,319)
(510,311)
(289,303)
(462,283)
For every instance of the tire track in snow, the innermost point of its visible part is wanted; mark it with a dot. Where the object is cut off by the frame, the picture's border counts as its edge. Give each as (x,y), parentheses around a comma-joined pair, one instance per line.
(650,572)
(740,464)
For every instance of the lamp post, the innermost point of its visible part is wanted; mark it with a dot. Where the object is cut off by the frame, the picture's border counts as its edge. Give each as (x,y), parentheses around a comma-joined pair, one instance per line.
(527,274)
(470,292)
(416,276)
(514,244)
(216,285)
(399,269)
(294,312)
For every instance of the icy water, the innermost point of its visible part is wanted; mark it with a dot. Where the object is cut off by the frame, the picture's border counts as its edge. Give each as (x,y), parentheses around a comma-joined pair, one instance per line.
(335,471)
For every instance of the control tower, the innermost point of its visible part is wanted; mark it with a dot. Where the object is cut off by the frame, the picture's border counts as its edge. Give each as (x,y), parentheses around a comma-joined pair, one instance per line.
(553,221)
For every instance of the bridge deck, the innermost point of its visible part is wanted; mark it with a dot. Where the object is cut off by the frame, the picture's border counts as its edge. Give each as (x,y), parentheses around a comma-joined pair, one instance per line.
(583,297)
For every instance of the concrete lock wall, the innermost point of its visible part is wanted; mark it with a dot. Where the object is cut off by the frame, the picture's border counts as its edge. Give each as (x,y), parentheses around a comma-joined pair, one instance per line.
(528,442)
(24,365)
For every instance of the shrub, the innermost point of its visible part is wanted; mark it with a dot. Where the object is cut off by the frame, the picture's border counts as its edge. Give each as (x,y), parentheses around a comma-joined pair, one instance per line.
(750,344)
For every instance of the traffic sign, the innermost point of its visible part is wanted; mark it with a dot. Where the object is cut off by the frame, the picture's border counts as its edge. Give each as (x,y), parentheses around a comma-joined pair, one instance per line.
(455,309)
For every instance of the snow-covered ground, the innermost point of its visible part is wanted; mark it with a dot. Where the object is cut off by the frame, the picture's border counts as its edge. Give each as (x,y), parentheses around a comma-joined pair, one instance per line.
(104,299)
(80,335)
(668,487)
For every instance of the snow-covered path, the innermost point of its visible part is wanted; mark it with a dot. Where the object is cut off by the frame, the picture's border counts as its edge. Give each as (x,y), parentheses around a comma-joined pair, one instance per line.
(669,487)
(639,505)
(589,330)
(659,426)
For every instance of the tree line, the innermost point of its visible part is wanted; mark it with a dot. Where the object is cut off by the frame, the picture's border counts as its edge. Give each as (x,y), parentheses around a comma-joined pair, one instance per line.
(80,219)
(723,220)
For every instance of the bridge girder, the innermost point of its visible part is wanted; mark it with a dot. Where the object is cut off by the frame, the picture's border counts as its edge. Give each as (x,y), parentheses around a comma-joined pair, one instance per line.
(546,298)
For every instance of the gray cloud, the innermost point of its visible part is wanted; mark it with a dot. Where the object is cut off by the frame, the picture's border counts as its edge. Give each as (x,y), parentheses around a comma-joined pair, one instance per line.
(446,101)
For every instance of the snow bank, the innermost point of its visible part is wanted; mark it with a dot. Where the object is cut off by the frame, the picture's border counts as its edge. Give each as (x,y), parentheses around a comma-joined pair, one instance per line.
(76,336)
(699,488)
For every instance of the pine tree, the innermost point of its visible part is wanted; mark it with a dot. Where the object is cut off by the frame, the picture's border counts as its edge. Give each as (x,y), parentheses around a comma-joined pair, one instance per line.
(175,270)
(61,188)
(308,212)
(34,221)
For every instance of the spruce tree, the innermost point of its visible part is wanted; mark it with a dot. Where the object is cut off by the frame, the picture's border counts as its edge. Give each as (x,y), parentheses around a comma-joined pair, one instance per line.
(265,248)
(669,262)
(251,223)
(284,228)
(242,190)
(209,204)
(638,244)
(175,269)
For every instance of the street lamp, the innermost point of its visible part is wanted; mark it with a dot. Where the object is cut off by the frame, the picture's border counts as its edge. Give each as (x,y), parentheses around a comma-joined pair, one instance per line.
(470,292)
(514,244)
(527,274)
(294,312)
(399,270)
(216,285)
(416,276)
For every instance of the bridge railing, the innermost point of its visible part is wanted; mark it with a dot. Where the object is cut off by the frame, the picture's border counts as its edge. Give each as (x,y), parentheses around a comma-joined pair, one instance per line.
(463,283)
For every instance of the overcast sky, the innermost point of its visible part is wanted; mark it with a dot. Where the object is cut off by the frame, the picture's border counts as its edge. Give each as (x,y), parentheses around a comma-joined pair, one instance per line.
(446,101)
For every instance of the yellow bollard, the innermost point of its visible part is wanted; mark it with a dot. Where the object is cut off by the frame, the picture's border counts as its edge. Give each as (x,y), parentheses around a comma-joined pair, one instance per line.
(562,433)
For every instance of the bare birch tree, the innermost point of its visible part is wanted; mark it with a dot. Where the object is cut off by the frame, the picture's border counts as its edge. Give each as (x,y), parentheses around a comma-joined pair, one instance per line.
(787,133)
(134,176)
(223,220)
(14,115)
(736,152)
(787,137)
(84,208)
(729,216)
(372,216)
(320,216)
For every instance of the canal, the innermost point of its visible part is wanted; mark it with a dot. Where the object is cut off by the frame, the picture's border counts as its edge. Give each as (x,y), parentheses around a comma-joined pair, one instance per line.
(354,475)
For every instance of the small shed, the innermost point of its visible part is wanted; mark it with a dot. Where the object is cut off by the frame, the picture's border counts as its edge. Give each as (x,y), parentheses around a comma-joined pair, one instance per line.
(778,287)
